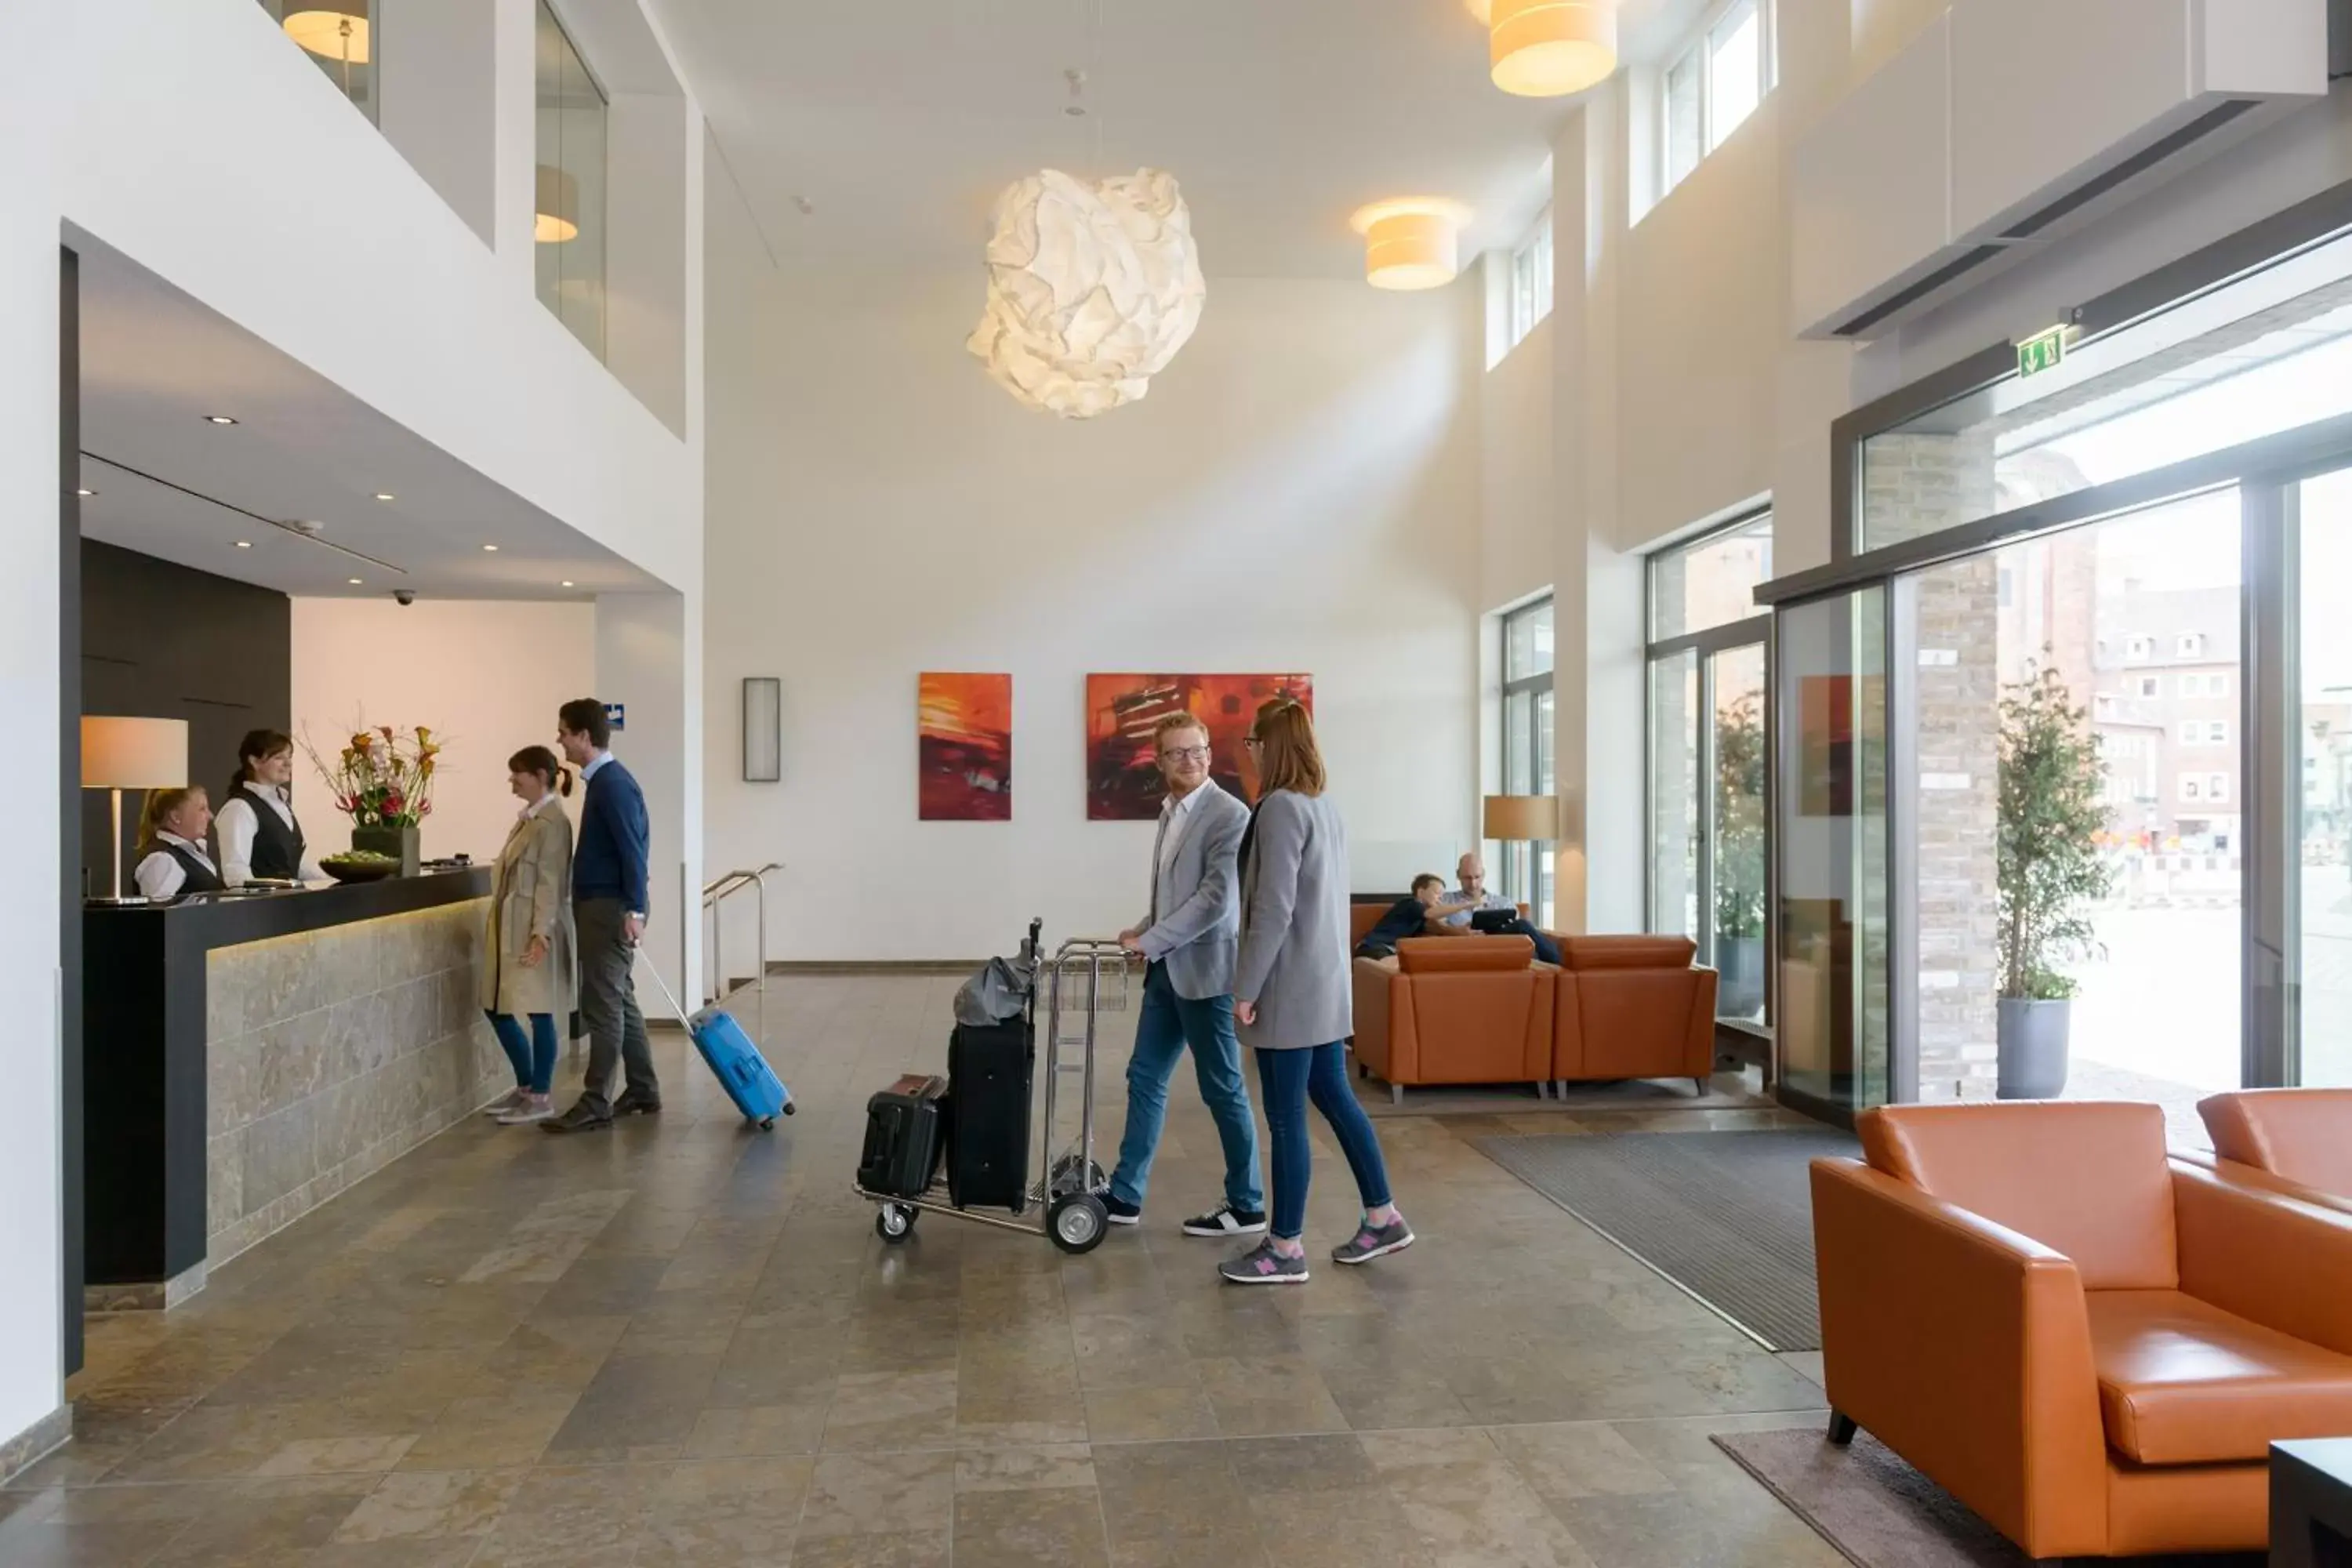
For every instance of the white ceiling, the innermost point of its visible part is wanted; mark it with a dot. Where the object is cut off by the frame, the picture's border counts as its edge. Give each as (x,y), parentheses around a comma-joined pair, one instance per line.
(898,120)
(155,363)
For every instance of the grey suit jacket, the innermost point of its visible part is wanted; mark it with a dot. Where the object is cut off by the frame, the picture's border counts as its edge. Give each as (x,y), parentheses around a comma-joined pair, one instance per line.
(1294,959)
(1195,937)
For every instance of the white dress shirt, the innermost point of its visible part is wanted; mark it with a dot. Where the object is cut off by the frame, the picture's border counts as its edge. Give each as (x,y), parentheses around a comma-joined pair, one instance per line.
(160,875)
(1172,812)
(238,827)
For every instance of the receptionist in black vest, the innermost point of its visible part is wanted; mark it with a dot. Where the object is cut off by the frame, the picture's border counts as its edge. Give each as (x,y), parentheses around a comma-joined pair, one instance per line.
(172,857)
(259,835)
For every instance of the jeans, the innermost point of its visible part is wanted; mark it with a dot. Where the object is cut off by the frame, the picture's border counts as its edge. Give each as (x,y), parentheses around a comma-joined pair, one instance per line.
(1547,950)
(608,1000)
(533,1059)
(1288,1080)
(1167,1023)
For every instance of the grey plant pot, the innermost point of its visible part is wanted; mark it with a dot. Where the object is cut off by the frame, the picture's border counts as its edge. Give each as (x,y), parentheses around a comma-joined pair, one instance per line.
(2032,1036)
(400,843)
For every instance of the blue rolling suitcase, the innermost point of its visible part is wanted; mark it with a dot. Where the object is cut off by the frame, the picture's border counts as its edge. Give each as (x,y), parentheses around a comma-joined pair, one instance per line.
(734,1060)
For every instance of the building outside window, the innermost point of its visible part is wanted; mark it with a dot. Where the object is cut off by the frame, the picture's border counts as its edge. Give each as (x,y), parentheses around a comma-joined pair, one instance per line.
(1708,808)
(1528,766)
(1716,82)
(569,215)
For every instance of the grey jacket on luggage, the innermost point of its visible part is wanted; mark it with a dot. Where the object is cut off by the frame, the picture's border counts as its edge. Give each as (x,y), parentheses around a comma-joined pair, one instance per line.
(1295,959)
(1195,934)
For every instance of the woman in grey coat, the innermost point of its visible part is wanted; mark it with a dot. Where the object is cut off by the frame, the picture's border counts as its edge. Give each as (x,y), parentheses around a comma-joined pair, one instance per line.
(528,955)
(1293,1002)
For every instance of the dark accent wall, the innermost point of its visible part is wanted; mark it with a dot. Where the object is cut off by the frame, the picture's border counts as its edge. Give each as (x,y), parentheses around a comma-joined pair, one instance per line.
(69,823)
(165,641)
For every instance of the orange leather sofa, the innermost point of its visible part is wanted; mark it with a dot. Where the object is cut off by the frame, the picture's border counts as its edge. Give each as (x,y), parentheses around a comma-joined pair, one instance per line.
(1469,1009)
(1632,1007)
(2298,1142)
(1456,1009)
(2091,1345)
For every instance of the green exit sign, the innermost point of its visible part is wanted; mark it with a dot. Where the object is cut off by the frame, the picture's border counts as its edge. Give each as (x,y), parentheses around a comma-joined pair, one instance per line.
(2044,351)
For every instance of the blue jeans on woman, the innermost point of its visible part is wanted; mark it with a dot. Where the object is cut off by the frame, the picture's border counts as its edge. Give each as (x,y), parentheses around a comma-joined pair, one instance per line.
(1287,1080)
(533,1059)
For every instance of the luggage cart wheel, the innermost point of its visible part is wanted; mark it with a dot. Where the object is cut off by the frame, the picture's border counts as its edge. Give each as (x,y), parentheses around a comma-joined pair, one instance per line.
(1076,1222)
(894,1223)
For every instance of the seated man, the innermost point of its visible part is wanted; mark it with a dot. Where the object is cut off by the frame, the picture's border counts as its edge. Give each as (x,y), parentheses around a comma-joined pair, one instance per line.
(1424,912)
(1472,897)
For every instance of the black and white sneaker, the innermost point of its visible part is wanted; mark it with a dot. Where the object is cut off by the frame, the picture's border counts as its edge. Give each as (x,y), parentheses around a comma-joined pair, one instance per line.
(1226,1220)
(1119,1210)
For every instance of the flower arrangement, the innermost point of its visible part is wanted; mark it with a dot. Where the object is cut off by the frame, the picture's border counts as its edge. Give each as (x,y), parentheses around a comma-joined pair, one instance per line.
(383,777)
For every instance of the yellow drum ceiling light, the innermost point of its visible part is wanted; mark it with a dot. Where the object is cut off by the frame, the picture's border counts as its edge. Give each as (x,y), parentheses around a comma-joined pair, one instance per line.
(558,207)
(1549,48)
(335,28)
(1411,242)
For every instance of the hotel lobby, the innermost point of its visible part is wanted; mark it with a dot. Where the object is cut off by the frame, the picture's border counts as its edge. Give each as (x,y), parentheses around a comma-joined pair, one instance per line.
(1807,572)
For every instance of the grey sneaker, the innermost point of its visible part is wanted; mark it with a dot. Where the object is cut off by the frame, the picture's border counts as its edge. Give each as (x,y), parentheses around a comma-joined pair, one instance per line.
(505,1102)
(1262,1265)
(1373,1241)
(531,1108)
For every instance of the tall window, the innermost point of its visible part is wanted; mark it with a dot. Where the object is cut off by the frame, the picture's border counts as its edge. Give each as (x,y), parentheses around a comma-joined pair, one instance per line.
(1709,818)
(1531,281)
(1714,85)
(1528,767)
(568,221)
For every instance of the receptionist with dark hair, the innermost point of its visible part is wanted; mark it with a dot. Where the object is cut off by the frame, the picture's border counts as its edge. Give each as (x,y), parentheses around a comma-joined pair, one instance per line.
(259,838)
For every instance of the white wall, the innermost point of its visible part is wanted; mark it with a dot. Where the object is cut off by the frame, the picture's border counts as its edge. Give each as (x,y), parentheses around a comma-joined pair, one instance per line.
(1515,441)
(1297,493)
(487,677)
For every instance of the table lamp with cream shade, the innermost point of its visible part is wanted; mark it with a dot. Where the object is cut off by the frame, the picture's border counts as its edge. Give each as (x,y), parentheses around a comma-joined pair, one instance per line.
(121,753)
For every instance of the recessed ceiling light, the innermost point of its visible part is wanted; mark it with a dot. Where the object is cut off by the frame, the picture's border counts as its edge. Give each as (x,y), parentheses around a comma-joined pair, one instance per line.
(218,420)
(354,582)
(385,495)
(85,490)
(245,545)
(491,548)
(567,583)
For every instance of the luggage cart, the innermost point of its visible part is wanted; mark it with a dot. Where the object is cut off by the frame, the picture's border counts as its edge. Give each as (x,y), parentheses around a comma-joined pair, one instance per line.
(1087,977)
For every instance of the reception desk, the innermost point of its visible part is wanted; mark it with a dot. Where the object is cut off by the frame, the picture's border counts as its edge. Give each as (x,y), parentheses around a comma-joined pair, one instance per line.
(249,1058)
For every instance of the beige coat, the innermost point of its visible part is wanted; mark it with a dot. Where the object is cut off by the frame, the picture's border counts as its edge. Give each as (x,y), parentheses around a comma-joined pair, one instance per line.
(532,897)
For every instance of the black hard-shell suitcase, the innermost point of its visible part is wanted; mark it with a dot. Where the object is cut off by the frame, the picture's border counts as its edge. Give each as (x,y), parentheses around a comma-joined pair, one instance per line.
(989,1069)
(903,1128)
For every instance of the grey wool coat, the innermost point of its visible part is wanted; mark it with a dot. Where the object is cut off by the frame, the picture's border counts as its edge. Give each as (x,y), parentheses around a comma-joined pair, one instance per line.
(1293,960)
(533,896)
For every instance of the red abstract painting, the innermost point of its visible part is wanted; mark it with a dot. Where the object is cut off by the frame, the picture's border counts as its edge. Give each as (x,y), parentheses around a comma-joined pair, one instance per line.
(964,747)
(1123,781)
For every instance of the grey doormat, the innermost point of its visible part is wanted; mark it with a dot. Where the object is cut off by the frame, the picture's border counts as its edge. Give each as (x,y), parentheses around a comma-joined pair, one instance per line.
(1882,1513)
(1726,1216)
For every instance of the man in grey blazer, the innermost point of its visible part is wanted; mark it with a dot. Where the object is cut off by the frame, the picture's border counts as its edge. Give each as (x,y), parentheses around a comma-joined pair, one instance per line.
(1188,939)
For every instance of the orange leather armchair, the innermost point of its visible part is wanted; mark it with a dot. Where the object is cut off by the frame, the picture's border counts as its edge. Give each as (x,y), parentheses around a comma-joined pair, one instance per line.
(2091,1345)
(2298,1142)
(1632,1007)
(1454,1009)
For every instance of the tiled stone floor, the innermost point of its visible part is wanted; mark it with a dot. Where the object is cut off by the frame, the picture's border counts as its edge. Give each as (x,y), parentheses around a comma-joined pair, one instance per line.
(681,1344)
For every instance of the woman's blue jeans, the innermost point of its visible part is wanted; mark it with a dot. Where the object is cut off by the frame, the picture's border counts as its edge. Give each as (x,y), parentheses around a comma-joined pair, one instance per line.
(1287,1081)
(533,1059)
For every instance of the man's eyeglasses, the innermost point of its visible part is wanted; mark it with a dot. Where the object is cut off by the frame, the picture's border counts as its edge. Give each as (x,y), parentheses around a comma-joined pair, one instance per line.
(1186,754)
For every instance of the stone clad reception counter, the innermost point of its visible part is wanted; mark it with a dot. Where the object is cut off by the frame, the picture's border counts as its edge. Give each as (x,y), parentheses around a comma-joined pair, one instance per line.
(250,1057)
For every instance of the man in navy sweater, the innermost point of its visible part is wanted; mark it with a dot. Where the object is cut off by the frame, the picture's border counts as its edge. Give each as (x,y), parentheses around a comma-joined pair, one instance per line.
(608,904)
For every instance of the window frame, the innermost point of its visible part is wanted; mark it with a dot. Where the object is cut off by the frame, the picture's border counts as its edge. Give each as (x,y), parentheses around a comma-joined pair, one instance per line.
(1754,630)
(1528,296)
(1524,877)
(1698,48)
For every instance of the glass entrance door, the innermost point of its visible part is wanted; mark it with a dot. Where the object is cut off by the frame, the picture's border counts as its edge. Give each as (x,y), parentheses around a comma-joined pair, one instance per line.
(2321,839)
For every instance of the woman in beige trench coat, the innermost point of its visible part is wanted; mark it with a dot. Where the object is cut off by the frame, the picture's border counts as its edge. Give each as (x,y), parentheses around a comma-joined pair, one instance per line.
(529,965)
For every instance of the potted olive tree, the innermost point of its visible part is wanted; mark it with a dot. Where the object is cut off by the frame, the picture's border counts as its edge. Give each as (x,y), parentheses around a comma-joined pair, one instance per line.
(2050,871)
(1739,859)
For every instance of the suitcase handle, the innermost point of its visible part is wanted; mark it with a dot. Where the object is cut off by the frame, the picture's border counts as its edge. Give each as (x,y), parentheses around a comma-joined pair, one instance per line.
(671,996)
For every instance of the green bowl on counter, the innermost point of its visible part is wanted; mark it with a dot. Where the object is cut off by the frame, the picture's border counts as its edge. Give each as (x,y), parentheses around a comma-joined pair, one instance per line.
(360,865)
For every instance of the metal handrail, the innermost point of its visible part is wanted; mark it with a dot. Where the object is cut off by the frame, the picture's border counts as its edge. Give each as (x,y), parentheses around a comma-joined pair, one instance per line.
(717,894)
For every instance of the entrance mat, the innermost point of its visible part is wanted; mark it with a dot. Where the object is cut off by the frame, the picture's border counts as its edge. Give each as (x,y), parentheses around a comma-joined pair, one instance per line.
(1882,1513)
(1726,1216)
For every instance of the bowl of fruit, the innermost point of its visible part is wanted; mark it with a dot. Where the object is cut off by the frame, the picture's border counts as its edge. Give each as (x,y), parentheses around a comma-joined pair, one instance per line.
(360,865)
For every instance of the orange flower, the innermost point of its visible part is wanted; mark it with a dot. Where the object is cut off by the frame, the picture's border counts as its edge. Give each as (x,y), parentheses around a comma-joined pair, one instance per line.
(363,741)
